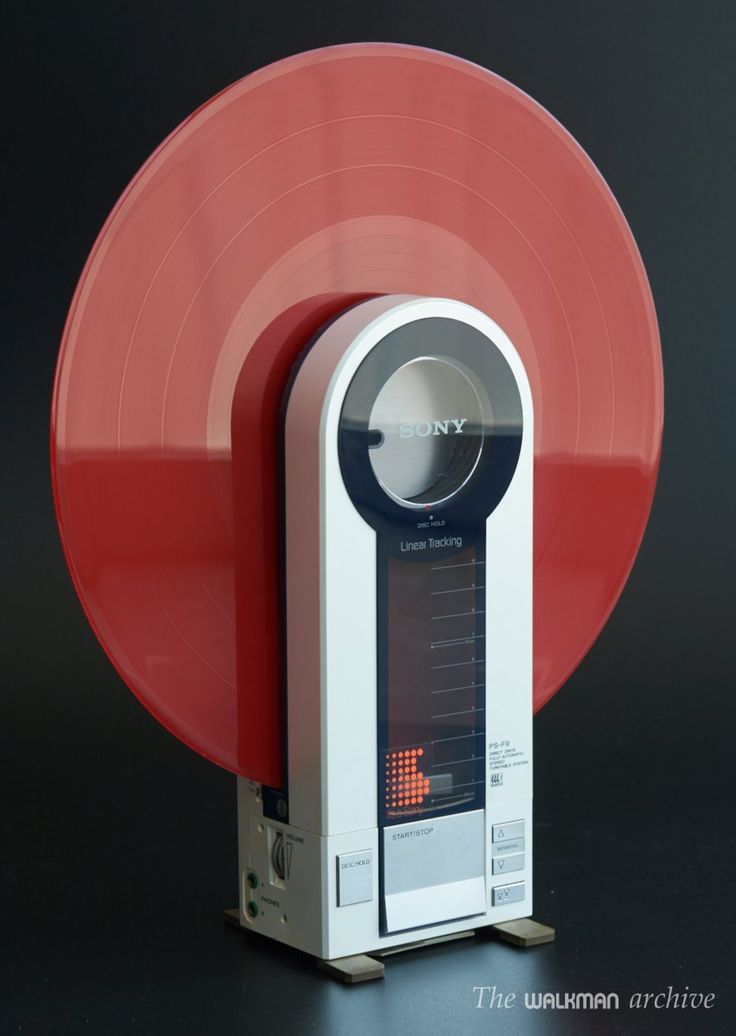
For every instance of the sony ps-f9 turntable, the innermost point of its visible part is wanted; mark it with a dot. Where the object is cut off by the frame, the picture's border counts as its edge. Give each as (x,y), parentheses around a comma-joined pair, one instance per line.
(356,427)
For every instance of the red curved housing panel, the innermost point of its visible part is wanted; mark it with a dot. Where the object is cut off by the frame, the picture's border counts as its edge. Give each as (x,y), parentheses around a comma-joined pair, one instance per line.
(256,475)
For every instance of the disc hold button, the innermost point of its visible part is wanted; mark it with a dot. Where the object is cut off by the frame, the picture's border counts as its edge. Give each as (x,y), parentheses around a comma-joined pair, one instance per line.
(354,878)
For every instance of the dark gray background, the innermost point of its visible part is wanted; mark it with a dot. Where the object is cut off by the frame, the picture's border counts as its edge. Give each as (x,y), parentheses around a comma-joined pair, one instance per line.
(118,844)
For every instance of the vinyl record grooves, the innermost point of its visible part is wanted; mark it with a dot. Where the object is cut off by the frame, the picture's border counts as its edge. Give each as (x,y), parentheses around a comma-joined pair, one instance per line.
(325,178)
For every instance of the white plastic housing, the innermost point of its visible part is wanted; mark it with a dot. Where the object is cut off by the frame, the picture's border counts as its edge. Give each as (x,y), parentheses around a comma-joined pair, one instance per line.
(331,668)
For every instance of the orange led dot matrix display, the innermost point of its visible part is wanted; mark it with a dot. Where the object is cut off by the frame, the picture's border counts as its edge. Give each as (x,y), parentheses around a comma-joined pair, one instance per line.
(406,785)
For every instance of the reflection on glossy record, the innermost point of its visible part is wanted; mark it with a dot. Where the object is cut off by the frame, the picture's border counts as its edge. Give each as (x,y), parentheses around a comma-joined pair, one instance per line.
(319,180)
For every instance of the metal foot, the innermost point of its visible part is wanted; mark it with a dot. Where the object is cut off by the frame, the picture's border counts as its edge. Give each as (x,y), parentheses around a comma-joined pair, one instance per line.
(524,932)
(359,968)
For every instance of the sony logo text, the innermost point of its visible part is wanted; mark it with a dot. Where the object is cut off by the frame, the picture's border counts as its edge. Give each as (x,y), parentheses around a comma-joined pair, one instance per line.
(448,426)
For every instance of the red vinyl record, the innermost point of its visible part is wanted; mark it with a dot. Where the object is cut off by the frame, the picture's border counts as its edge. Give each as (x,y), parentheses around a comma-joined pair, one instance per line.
(322,179)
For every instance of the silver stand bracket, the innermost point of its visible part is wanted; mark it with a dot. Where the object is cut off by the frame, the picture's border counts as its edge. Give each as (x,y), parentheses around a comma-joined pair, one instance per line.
(363,967)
